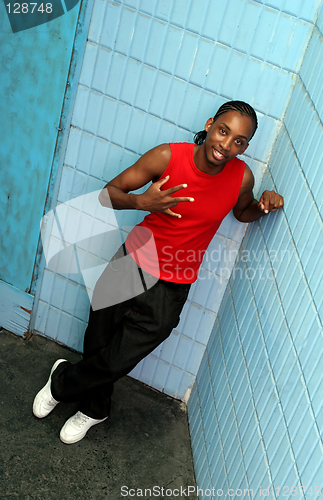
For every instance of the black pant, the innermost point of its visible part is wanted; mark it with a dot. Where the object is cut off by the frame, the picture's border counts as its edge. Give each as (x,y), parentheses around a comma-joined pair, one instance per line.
(116,339)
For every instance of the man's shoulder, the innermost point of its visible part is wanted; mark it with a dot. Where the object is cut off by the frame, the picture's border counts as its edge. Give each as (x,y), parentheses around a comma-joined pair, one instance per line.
(248,177)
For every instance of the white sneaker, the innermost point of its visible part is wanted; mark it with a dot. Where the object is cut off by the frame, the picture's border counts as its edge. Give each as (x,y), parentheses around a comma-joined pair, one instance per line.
(76,427)
(44,402)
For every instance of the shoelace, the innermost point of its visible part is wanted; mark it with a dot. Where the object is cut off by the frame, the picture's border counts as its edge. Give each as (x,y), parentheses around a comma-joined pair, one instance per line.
(52,402)
(80,419)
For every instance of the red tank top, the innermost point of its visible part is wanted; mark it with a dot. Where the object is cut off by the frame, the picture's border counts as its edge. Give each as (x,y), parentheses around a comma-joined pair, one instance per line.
(182,243)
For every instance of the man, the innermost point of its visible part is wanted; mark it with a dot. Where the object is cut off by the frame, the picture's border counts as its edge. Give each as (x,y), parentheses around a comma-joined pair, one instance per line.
(194,186)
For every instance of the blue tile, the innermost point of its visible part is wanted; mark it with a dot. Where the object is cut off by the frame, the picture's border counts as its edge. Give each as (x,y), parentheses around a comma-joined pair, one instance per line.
(174,100)
(125,31)
(300,33)
(269,127)
(310,450)
(89,62)
(144,89)
(260,477)
(101,30)
(137,122)
(301,9)
(235,71)
(310,60)
(311,475)
(76,334)
(112,164)
(210,426)
(148,369)
(237,376)
(158,32)
(160,94)
(252,449)
(149,139)
(196,16)
(247,26)
(179,13)
(275,31)
(292,394)
(230,22)
(140,37)
(219,478)
(186,55)
(130,81)
(173,381)
(220,60)
(82,97)
(228,432)
(284,361)
(134,4)
(234,462)
(163,9)
(202,61)
(98,14)
(264,36)
(319,22)
(160,375)
(312,368)
(192,362)
(116,73)
(246,419)
(119,132)
(147,6)
(171,48)
(169,347)
(86,151)
(286,475)
(190,107)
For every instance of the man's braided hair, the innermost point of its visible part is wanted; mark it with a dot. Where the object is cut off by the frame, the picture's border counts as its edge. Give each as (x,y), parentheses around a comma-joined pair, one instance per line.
(242,107)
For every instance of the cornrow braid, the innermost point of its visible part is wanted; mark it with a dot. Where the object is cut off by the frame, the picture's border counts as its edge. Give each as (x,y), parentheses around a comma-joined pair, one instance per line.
(242,107)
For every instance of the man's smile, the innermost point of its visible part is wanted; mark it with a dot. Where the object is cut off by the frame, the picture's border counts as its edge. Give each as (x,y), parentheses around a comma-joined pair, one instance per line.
(217,155)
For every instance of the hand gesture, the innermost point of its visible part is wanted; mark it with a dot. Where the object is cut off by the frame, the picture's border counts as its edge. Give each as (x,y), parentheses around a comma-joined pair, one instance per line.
(156,200)
(270,201)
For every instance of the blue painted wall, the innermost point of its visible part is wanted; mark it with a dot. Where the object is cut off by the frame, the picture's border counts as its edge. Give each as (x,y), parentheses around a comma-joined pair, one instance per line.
(256,410)
(34,70)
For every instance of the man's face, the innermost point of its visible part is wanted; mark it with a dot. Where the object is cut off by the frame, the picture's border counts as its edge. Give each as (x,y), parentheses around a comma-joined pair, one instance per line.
(227,137)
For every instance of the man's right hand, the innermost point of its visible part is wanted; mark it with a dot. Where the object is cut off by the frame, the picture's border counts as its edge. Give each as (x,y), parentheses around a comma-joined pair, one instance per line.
(117,193)
(157,200)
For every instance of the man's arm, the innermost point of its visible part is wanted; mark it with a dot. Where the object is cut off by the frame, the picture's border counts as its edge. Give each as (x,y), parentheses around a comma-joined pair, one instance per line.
(149,167)
(248,209)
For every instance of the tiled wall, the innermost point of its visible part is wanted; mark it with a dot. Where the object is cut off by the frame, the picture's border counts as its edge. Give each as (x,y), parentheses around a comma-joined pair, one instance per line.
(256,410)
(153,72)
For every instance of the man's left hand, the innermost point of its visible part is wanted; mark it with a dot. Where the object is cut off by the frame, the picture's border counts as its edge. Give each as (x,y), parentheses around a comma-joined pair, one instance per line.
(270,201)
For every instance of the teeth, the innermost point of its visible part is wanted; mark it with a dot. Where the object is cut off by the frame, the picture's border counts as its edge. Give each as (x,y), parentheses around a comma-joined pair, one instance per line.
(218,155)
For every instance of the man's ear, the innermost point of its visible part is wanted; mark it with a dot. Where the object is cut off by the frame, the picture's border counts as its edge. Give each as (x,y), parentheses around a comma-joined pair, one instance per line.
(208,124)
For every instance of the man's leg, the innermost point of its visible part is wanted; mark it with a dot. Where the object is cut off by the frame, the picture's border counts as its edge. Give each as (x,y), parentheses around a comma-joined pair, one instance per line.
(139,326)
(147,320)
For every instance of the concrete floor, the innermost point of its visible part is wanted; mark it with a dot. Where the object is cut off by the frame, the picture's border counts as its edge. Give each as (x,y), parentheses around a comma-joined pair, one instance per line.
(144,443)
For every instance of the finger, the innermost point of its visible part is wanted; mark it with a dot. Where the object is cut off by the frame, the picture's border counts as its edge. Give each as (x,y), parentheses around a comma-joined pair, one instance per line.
(170,212)
(261,203)
(279,203)
(174,189)
(162,181)
(180,199)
